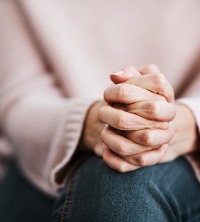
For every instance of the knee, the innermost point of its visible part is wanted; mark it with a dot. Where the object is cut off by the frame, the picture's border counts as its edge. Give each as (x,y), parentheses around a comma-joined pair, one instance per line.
(133,196)
(107,195)
(133,183)
(140,187)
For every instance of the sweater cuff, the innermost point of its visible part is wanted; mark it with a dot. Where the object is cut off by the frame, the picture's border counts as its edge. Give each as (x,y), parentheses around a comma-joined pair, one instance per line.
(194,105)
(66,144)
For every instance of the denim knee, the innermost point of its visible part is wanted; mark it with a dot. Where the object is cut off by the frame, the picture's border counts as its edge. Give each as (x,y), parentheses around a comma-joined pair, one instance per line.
(102,194)
(140,195)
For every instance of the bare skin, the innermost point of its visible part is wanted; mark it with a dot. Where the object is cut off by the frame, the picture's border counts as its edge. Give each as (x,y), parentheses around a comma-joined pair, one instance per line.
(143,128)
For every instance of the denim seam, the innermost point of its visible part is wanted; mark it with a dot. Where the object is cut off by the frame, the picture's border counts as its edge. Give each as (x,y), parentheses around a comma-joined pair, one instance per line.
(68,200)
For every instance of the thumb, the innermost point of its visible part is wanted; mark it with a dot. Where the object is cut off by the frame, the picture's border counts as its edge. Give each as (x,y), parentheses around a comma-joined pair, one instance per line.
(123,75)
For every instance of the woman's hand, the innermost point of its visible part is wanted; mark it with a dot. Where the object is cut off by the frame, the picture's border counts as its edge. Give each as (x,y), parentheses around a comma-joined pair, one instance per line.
(123,155)
(148,77)
(185,139)
(147,134)
(92,129)
(90,139)
(134,149)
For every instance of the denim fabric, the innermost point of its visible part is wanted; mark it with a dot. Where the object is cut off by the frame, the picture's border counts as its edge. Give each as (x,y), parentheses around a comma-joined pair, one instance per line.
(164,192)
(20,201)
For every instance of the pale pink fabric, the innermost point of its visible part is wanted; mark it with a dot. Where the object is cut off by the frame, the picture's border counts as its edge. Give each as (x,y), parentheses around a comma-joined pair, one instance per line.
(55,60)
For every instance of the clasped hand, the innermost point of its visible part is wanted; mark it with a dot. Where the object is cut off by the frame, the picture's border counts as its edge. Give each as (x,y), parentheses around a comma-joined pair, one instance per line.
(138,115)
(138,123)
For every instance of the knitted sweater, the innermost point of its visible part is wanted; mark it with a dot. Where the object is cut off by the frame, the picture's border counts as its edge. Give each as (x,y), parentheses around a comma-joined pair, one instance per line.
(55,60)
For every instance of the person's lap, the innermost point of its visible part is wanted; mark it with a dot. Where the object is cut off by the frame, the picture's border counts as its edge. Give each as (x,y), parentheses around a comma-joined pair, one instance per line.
(164,192)
(21,201)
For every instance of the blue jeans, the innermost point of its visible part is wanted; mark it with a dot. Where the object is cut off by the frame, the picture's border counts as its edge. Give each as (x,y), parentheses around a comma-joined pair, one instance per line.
(164,192)
(21,201)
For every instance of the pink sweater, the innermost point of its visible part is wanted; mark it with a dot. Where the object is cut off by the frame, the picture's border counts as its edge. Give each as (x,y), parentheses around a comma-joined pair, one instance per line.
(55,60)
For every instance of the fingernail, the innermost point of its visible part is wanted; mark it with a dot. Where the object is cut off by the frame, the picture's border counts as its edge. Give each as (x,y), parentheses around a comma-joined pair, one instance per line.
(119,73)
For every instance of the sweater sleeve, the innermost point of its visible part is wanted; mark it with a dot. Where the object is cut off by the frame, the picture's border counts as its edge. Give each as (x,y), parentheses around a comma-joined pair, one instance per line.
(193,103)
(43,126)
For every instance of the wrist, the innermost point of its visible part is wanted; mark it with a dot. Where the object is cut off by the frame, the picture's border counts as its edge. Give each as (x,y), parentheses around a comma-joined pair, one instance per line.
(92,127)
(186,129)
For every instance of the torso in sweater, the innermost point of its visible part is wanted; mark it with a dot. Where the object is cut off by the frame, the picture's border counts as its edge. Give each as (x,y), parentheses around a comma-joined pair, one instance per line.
(84,41)
(78,43)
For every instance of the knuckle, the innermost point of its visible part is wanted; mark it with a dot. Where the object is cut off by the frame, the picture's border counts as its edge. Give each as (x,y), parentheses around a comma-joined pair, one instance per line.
(155,77)
(146,138)
(141,160)
(162,90)
(120,121)
(160,81)
(152,108)
(121,149)
(123,91)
